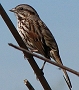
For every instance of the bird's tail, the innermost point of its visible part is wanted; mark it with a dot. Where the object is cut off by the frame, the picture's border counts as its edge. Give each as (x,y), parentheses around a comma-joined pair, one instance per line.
(57,58)
(67,79)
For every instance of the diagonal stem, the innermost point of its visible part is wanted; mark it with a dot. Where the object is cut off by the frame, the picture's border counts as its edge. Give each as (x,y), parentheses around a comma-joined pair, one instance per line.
(45,59)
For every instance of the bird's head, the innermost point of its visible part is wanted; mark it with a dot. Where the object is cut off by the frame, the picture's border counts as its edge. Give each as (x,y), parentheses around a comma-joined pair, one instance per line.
(24,10)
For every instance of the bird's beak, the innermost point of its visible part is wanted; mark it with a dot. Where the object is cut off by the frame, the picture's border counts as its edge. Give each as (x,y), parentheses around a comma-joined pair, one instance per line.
(13,10)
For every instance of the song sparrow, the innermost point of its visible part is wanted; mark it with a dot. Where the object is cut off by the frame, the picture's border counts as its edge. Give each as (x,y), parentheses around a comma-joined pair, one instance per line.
(37,36)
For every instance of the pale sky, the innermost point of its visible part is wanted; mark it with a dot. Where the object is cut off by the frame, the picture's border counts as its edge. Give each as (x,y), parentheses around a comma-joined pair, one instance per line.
(62,18)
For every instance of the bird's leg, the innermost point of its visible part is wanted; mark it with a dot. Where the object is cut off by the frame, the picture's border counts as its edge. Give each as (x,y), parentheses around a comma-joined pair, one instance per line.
(43,65)
(34,50)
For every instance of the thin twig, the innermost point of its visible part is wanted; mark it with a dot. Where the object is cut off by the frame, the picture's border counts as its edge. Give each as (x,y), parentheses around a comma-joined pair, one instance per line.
(45,59)
(27,83)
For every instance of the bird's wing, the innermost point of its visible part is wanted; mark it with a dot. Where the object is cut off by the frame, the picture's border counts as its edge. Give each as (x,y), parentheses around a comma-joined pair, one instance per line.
(48,37)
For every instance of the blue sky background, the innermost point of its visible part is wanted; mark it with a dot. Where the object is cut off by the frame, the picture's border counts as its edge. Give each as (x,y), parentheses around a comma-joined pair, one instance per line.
(62,18)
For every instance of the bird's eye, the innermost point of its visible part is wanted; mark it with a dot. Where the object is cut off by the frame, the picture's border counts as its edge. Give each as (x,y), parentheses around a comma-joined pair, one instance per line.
(21,8)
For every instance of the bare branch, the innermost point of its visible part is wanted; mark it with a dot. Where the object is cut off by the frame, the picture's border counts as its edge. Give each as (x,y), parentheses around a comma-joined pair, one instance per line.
(45,59)
(27,83)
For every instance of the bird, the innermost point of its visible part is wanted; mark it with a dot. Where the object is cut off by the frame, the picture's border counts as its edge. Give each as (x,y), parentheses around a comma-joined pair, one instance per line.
(37,36)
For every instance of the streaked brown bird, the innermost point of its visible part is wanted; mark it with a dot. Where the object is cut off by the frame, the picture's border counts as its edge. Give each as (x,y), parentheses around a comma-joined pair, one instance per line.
(37,36)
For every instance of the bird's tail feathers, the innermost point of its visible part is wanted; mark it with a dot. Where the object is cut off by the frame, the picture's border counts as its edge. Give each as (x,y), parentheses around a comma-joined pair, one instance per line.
(57,58)
(67,79)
